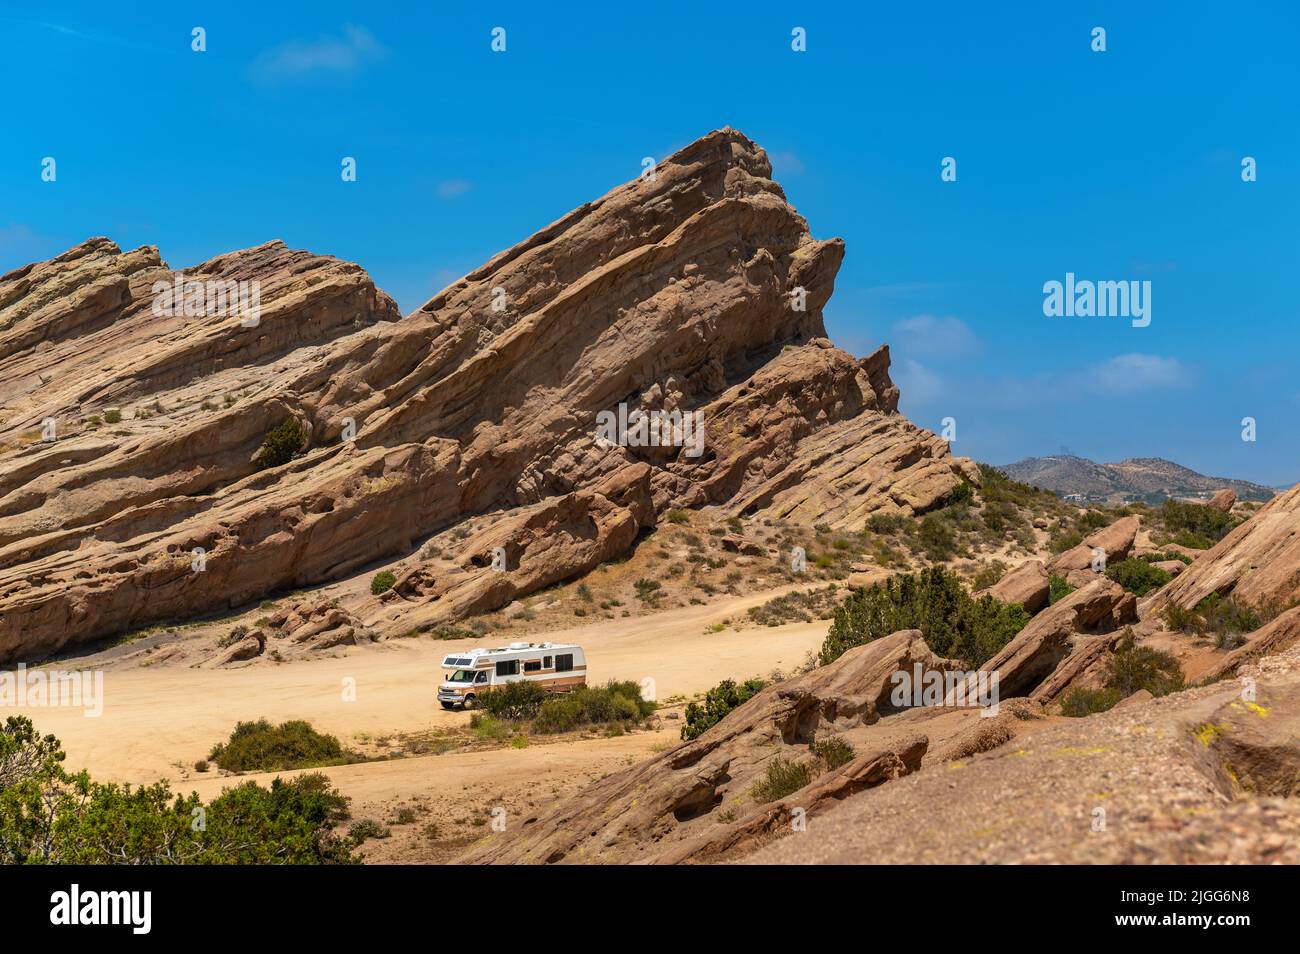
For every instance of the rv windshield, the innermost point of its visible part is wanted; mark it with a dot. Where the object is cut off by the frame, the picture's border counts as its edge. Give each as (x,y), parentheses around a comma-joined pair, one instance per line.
(461,675)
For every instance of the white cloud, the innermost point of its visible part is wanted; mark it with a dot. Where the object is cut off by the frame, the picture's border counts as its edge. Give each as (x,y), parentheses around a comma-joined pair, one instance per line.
(1127,373)
(452,188)
(329,54)
(946,337)
(917,384)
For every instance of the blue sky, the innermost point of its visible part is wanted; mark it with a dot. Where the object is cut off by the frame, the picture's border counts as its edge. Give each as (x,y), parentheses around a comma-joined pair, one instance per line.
(1122,165)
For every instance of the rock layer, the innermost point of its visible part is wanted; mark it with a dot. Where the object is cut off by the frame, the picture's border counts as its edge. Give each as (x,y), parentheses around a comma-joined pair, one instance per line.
(698,289)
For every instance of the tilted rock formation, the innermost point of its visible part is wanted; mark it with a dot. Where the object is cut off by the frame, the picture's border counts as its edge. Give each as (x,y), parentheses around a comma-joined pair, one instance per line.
(1028,584)
(1058,634)
(1115,540)
(697,289)
(694,802)
(1204,776)
(1258,562)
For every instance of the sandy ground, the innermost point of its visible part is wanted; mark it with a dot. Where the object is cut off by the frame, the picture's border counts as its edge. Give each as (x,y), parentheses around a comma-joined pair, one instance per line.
(158,721)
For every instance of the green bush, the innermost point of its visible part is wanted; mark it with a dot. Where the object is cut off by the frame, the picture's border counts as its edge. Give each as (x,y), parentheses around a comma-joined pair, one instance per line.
(112,416)
(833,752)
(262,747)
(1058,588)
(48,816)
(281,444)
(382,582)
(1138,576)
(677,515)
(615,703)
(1197,520)
(933,601)
(1084,702)
(1140,667)
(515,701)
(718,701)
(783,778)
(936,538)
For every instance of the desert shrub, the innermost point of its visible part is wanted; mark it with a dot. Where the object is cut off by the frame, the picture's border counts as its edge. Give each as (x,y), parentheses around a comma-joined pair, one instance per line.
(112,416)
(1193,541)
(989,574)
(677,515)
(1197,520)
(886,524)
(1138,576)
(1064,538)
(615,703)
(48,816)
(833,752)
(718,701)
(1140,667)
(1084,702)
(963,493)
(515,701)
(936,538)
(1058,588)
(488,727)
(584,593)
(783,778)
(382,582)
(366,829)
(281,444)
(262,747)
(1164,557)
(933,601)
(647,590)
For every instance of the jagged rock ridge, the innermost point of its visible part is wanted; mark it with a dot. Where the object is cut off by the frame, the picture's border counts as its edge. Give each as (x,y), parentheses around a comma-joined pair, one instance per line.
(672,293)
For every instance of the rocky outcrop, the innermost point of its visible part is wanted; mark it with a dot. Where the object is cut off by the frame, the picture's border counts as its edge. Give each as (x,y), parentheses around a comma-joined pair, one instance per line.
(1257,562)
(695,801)
(1115,541)
(1273,637)
(1204,776)
(1223,501)
(1059,634)
(696,290)
(1028,584)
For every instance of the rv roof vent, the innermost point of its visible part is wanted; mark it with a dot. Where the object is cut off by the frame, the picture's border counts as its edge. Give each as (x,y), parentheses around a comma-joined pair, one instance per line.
(519,645)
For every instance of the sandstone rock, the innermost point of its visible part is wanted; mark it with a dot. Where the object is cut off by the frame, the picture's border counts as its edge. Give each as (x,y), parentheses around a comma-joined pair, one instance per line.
(1282,633)
(1257,562)
(246,648)
(1223,501)
(1136,699)
(1028,585)
(1050,637)
(1170,773)
(1116,540)
(1172,567)
(668,808)
(461,411)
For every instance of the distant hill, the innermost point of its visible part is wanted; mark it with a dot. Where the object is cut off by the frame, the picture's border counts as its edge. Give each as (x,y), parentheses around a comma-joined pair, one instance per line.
(1146,478)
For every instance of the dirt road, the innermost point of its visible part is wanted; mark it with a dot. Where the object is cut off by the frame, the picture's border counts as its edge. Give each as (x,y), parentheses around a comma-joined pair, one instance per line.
(158,720)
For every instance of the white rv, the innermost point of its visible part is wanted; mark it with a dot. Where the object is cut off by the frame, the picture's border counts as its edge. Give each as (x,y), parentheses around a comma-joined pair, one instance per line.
(557,667)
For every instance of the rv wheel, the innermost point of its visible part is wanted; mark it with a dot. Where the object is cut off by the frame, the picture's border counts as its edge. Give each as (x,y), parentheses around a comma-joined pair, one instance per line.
(469,702)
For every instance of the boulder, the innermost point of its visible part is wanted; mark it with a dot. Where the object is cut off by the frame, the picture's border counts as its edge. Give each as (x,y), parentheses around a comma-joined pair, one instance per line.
(1028,585)
(1223,501)
(1115,540)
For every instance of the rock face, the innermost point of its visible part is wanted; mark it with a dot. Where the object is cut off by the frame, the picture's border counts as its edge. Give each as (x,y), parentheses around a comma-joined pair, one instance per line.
(1028,584)
(1057,636)
(700,290)
(1223,501)
(693,802)
(1205,776)
(1116,540)
(1258,562)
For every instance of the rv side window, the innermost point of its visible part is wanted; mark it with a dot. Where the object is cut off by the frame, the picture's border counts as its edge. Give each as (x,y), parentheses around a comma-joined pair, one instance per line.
(564,663)
(508,667)
(532,665)
(546,662)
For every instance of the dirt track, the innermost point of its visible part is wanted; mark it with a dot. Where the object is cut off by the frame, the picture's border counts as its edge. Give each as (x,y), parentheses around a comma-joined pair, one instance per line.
(157,721)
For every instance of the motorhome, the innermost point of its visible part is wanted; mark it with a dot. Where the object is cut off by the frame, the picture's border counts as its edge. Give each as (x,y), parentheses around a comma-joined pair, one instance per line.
(556,667)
